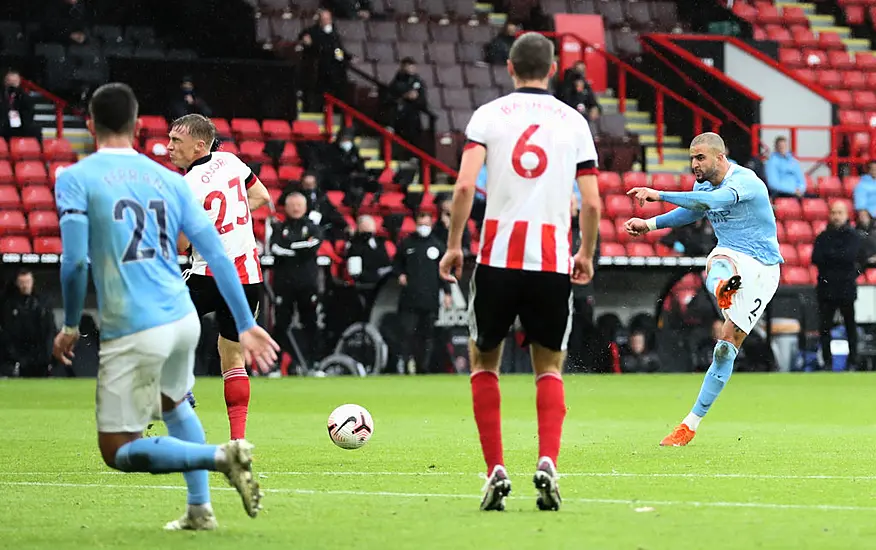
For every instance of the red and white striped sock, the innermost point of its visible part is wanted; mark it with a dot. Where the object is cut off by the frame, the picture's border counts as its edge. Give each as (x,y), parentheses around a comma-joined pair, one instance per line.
(237,400)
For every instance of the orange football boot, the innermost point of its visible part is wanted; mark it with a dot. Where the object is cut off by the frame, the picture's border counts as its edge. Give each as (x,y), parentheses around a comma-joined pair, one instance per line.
(680,436)
(726,289)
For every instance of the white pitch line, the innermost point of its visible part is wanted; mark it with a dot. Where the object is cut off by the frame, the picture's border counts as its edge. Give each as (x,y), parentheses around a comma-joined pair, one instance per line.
(474,474)
(315,492)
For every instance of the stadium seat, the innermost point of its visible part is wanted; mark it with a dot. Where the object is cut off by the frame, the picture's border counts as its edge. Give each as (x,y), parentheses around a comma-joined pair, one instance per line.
(290,173)
(815,58)
(687,181)
(779,34)
(30,172)
(408,226)
(24,149)
(648,210)
(620,234)
(831,79)
(392,203)
(306,130)
(847,117)
(855,15)
(228,147)
(830,41)
(58,150)
(638,248)
(864,61)
(289,154)
(43,222)
(780,231)
(277,129)
(37,197)
(865,100)
(606,230)
(830,186)
(635,179)
(792,15)
(848,185)
(612,249)
(153,126)
(843,98)
(253,151)
(12,222)
(609,183)
(156,149)
(798,231)
(223,129)
(795,275)
(47,245)
(15,245)
(804,253)
(56,168)
(654,236)
(245,128)
(4,149)
(268,176)
(818,226)
(787,209)
(791,58)
(815,209)
(618,206)
(326,249)
(665,182)
(789,253)
(840,60)
(9,199)
(871,276)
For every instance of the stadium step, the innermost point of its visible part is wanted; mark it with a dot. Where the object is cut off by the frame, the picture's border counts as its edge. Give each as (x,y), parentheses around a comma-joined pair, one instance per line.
(808,9)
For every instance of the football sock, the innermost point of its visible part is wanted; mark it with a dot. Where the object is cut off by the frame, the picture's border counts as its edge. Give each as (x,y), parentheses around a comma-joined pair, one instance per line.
(720,270)
(237,400)
(183,424)
(163,455)
(486,401)
(692,421)
(550,401)
(716,377)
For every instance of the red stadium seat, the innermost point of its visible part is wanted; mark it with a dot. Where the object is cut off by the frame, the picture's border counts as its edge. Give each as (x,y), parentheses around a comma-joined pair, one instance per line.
(638,248)
(153,126)
(815,209)
(843,98)
(245,128)
(326,249)
(830,186)
(12,222)
(43,222)
(787,209)
(37,197)
(307,130)
(830,41)
(841,60)
(818,227)
(871,276)
(865,61)
(156,149)
(855,15)
(794,16)
(290,173)
(849,183)
(831,79)
(253,151)
(392,203)
(618,206)
(229,147)
(864,100)
(31,172)
(779,34)
(791,58)
(58,150)
(47,245)
(336,198)
(798,231)
(665,182)
(687,181)
(804,253)
(620,234)
(277,129)
(289,154)
(612,249)
(9,199)
(609,183)
(768,14)
(816,58)
(804,38)
(635,179)
(408,226)
(24,149)
(795,275)
(223,129)
(745,11)
(789,253)
(4,149)
(56,168)
(807,74)
(606,230)
(648,210)
(268,176)
(15,245)
(780,231)
(654,236)
(847,117)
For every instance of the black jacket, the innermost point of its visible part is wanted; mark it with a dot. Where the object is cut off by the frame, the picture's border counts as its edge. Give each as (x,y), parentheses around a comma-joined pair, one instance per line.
(441,232)
(403,83)
(375,258)
(417,258)
(180,107)
(16,99)
(348,9)
(498,49)
(868,244)
(26,329)
(835,253)
(326,51)
(646,362)
(294,244)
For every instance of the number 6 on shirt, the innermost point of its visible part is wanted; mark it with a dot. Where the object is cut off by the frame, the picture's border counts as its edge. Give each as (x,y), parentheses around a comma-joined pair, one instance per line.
(522,147)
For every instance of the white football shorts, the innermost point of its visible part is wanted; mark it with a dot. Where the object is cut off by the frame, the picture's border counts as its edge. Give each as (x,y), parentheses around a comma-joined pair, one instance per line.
(135,370)
(759,285)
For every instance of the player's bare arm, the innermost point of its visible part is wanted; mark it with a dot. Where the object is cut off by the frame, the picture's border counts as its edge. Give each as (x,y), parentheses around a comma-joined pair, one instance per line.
(588,222)
(463,195)
(644,194)
(257,195)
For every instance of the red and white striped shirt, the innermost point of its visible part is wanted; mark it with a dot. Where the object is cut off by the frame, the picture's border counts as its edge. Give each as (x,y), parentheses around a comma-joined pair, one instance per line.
(536,147)
(219,182)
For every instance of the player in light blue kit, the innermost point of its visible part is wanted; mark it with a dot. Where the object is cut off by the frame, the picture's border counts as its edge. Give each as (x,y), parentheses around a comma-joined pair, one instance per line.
(123,213)
(742,271)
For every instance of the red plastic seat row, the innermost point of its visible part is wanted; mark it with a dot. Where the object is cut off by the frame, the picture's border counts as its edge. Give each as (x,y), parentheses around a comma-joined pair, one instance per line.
(806,209)
(13,222)
(13,244)
(612,182)
(29,149)
(32,198)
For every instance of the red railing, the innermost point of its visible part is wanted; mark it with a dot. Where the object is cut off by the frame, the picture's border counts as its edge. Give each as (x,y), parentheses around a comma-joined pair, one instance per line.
(860,141)
(60,104)
(661,92)
(427,161)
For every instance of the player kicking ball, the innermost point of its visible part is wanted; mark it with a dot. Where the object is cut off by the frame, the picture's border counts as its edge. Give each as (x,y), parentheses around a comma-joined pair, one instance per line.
(228,190)
(122,212)
(742,271)
(533,145)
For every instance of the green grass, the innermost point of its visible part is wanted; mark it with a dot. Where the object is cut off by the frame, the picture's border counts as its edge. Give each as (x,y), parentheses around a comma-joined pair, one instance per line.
(749,479)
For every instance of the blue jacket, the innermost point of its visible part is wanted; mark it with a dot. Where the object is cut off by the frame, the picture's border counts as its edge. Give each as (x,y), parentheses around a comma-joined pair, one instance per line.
(865,194)
(784,174)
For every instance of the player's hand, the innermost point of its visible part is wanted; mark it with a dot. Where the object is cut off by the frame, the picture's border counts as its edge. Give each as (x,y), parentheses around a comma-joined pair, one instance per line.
(259,349)
(448,300)
(644,194)
(403,280)
(636,227)
(450,267)
(582,272)
(63,347)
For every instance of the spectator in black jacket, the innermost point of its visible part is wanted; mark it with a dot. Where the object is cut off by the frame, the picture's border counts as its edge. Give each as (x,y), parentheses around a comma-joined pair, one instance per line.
(187,102)
(17,109)
(294,244)
(26,329)
(694,240)
(323,57)
(866,228)
(835,254)
(367,262)
(416,264)
(319,209)
(408,93)
(638,359)
(498,49)
(580,97)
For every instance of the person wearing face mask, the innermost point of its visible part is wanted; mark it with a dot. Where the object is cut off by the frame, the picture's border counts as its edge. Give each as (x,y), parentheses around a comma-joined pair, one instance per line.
(416,264)
(187,102)
(366,262)
(294,244)
(349,170)
(319,209)
(17,108)
(323,55)
(408,92)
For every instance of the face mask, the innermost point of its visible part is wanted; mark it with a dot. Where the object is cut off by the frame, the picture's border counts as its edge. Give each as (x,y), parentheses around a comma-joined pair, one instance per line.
(327,29)
(424,230)
(346,146)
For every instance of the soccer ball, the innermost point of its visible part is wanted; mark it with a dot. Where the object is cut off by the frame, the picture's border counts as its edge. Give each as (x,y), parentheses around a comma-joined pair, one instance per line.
(350,426)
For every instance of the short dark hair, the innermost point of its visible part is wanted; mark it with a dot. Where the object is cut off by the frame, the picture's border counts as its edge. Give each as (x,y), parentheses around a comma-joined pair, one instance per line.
(423,213)
(408,61)
(113,109)
(197,126)
(532,56)
(23,271)
(779,139)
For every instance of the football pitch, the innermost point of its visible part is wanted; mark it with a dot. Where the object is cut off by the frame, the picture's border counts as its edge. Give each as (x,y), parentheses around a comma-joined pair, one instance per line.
(783,461)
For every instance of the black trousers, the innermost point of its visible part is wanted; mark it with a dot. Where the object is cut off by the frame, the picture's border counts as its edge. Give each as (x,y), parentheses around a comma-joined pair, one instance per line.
(826,311)
(418,341)
(304,300)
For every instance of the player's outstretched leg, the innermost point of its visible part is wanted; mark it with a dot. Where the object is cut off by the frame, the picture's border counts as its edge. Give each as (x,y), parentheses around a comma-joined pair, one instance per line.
(550,403)
(236,386)
(723,282)
(486,402)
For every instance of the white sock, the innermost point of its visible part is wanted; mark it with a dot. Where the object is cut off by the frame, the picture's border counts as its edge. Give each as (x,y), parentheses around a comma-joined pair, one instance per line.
(200,510)
(692,421)
(221,458)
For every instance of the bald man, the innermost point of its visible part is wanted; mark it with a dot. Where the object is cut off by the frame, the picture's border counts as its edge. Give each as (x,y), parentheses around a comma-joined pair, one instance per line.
(742,271)
(835,254)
